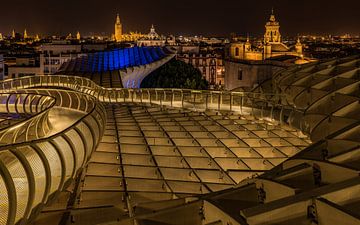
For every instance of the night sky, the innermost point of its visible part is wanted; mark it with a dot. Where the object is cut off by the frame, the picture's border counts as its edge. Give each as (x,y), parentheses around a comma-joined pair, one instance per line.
(180,17)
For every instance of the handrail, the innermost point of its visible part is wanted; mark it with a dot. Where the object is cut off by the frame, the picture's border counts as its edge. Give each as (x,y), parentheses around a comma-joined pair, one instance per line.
(26,127)
(200,100)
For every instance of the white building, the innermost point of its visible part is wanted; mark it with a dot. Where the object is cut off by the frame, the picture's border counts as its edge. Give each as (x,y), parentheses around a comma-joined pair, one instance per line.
(53,55)
(21,66)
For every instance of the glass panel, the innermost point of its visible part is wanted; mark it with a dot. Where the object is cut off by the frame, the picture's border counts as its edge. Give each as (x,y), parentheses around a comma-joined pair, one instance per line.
(20,180)
(54,162)
(64,147)
(83,128)
(38,170)
(79,147)
(4,204)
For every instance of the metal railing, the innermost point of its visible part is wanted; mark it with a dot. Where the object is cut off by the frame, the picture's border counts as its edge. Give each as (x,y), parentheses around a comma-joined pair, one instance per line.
(247,103)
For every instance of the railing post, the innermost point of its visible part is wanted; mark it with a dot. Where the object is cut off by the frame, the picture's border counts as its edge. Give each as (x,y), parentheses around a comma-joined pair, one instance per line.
(141,96)
(123,92)
(164,97)
(172,97)
(206,102)
(182,99)
(231,100)
(131,92)
(241,104)
(157,97)
(219,99)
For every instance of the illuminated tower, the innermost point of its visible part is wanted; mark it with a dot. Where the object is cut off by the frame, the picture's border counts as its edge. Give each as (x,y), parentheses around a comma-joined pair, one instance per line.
(13,34)
(25,34)
(247,44)
(272,30)
(153,34)
(78,36)
(118,29)
(1,37)
(298,47)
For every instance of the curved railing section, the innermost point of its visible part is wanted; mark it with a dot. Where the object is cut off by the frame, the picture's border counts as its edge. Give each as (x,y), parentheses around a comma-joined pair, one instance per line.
(32,111)
(270,106)
(42,153)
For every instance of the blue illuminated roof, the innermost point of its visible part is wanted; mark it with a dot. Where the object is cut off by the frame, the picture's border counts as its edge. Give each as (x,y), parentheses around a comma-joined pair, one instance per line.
(116,59)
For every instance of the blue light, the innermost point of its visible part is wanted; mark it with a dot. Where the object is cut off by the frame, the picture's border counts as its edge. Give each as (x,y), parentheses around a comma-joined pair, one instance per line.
(115,59)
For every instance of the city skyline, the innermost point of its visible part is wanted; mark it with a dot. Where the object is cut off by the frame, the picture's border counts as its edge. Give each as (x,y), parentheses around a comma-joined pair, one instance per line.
(206,18)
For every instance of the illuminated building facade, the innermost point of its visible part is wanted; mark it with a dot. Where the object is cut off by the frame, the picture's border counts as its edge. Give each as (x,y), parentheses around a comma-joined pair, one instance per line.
(211,66)
(154,39)
(118,29)
(247,66)
(270,48)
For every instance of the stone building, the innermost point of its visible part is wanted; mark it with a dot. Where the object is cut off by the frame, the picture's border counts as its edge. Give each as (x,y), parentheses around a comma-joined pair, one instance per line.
(210,65)
(272,45)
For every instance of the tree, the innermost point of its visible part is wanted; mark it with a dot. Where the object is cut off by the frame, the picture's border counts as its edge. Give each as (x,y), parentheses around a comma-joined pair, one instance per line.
(175,74)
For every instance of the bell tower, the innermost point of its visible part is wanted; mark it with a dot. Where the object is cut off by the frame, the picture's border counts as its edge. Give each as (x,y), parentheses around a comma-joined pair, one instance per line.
(272,30)
(118,29)
(299,48)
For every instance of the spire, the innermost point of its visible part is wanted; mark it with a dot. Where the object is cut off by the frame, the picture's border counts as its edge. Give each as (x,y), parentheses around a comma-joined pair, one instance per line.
(78,36)
(272,16)
(13,33)
(248,38)
(298,42)
(25,34)
(118,19)
(152,29)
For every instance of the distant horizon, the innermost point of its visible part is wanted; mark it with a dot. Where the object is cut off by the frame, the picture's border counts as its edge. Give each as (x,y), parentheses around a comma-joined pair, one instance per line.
(188,18)
(90,34)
